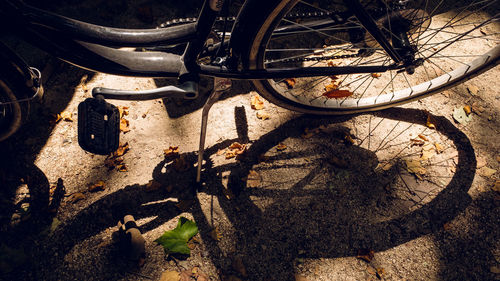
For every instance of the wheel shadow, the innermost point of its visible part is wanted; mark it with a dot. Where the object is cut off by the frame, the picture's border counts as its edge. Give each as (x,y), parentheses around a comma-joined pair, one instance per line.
(307,220)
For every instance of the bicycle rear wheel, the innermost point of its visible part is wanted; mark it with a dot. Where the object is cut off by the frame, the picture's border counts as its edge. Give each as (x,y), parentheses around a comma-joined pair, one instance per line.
(453,40)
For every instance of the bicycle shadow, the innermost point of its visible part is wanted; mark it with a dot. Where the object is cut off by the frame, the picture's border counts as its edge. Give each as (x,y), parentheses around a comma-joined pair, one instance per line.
(305,221)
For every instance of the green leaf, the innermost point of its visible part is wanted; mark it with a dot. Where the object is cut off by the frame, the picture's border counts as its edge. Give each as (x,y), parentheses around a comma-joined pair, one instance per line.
(175,240)
(460,116)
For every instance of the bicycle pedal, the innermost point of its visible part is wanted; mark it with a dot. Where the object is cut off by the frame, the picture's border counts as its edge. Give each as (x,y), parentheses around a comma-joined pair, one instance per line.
(98,126)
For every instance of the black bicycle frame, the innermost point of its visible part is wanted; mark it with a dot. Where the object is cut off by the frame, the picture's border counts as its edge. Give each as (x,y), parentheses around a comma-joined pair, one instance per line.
(96,47)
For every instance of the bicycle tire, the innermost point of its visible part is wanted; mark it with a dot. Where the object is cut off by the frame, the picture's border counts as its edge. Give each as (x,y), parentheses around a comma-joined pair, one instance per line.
(259,19)
(12,115)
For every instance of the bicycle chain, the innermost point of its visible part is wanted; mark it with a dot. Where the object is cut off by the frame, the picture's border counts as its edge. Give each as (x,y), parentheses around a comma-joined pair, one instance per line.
(232,19)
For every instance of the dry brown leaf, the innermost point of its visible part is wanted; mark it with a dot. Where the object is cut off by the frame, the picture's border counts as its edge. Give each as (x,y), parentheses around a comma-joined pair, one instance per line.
(121,167)
(365,254)
(122,149)
(429,122)
(348,139)
(215,234)
(220,152)
(486,171)
(281,146)
(171,151)
(467,109)
(376,75)
(290,82)
(75,197)
(230,154)
(380,272)
(336,94)
(170,276)
(439,147)
(423,137)
(332,86)
(237,145)
(152,185)
(473,90)
(238,266)
(331,63)
(427,154)
(123,110)
(65,116)
(256,103)
(263,115)
(498,159)
(124,125)
(415,167)
(254,179)
(417,142)
(98,186)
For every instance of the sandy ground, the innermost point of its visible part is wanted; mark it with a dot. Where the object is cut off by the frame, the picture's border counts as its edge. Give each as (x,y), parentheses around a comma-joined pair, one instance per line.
(303,203)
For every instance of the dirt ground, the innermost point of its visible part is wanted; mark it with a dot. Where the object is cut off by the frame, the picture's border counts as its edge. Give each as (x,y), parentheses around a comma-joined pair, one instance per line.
(312,198)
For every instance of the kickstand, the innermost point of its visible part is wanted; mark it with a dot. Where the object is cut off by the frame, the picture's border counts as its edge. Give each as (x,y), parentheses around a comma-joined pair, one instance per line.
(220,85)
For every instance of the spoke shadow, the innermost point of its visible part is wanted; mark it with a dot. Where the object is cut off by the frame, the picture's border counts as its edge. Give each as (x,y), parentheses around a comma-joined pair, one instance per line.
(317,217)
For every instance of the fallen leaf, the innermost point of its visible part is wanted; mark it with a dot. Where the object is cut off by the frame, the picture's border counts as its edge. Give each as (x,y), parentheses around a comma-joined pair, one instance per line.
(460,116)
(121,167)
(429,122)
(481,162)
(427,154)
(308,133)
(123,110)
(439,147)
(75,197)
(336,94)
(152,185)
(331,63)
(122,149)
(186,275)
(253,179)
(498,159)
(238,266)
(417,142)
(423,137)
(332,86)
(215,234)
(376,75)
(263,115)
(98,186)
(348,139)
(486,172)
(468,110)
(175,240)
(170,276)
(415,167)
(365,254)
(220,152)
(124,125)
(230,154)
(281,146)
(290,82)
(256,103)
(237,146)
(66,116)
(473,90)
(171,151)
(380,272)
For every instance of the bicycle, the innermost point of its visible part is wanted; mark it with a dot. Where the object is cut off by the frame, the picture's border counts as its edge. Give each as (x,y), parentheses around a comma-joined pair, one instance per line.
(326,57)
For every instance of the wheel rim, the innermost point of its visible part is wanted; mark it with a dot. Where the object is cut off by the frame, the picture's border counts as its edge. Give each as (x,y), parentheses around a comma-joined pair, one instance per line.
(10,115)
(443,44)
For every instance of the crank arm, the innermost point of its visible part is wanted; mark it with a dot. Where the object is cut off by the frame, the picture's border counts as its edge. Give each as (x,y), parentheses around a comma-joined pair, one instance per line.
(188,90)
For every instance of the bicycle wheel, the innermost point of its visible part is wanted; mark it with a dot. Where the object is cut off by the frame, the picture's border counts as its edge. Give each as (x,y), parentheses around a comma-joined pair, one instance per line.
(452,40)
(11,115)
